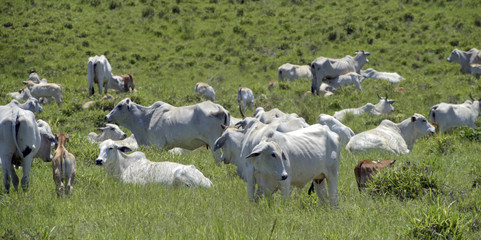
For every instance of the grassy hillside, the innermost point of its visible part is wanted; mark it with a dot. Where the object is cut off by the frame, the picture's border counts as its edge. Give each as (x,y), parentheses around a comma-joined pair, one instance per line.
(170,45)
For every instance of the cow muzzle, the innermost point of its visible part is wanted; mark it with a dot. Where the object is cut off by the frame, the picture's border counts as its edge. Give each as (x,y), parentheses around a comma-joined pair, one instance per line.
(284,176)
(99,162)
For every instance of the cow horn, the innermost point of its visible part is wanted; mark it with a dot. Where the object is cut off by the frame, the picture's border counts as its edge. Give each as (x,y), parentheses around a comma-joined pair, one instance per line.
(378,95)
(386,97)
(471,96)
(223,126)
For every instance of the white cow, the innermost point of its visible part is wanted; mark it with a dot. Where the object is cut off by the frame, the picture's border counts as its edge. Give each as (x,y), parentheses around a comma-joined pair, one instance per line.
(287,121)
(391,77)
(46,90)
(323,67)
(276,160)
(136,168)
(344,80)
(110,131)
(465,59)
(245,98)
(47,141)
(166,126)
(205,90)
(336,126)
(447,115)
(35,78)
(31,105)
(293,72)
(384,106)
(20,140)
(99,71)
(397,138)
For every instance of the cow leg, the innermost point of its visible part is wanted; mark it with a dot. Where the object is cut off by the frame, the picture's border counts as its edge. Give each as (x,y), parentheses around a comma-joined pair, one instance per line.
(251,184)
(70,183)
(7,168)
(26,165)
(332,182)
(320,188)
(286,189)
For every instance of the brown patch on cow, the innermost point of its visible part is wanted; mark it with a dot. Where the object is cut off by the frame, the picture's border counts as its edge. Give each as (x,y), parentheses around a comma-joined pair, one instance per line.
(399,89)
(364,170)
(128,80)
(272,85)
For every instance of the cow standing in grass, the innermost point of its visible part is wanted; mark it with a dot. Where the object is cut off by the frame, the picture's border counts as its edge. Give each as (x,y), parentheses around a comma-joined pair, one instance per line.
(63,166)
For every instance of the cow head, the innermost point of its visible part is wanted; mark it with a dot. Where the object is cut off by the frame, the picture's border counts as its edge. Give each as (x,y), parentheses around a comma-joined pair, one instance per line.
(33,105)
(385,105)
(362,54)
(268,158)
(109,153)
(120,111)
(230,142)
(455,55)
(112,131)
(421,125)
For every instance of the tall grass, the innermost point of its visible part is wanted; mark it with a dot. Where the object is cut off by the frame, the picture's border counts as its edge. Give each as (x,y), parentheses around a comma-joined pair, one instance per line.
(170,45)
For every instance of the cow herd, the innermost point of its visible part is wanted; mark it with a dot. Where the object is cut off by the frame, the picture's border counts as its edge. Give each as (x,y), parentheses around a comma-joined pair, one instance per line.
(272,150)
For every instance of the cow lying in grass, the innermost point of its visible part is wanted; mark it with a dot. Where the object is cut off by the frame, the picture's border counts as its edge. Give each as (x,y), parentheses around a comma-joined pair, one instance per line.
(136,168)
(46,90)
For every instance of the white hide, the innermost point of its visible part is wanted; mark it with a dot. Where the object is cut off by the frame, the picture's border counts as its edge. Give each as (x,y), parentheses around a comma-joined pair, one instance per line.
(391,77)
(447,115)
(166,126)
(351,78)
(344,132)
(293,72)
(110,131)
(323,67)
(44,90)
(397,138)
(205,91)
(136,168)
(465,59)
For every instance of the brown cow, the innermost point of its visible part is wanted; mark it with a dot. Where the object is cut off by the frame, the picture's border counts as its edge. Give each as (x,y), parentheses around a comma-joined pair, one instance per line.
(364,170)
(63,165)
(128,80)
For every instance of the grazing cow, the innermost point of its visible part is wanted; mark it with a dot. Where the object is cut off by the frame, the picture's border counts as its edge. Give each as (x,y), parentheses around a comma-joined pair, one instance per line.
(323,67)
(99,70)
(20,140)
(344,132)
(30,105)
(364,170)
(205,90)
(47,139)
(344,80)
(384,106)
(447,115)
(475,70)
(245,98)
(136,168)
(166,126)
(110,131)
(397,138)
(63,166)
(46,90)
(231,139)
(391,77)
(293,72)
(279,160)
(465,59)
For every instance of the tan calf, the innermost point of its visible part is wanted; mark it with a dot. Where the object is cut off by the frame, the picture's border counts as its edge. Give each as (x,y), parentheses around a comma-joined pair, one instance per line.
(128,82)
(364,170)
(63,165)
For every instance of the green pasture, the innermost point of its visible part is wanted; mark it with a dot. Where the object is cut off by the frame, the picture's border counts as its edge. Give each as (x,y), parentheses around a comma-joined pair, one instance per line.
(169,46)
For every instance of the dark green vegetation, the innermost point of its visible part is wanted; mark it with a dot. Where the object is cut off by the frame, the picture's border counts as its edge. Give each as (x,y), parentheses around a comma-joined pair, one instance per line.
(170,45)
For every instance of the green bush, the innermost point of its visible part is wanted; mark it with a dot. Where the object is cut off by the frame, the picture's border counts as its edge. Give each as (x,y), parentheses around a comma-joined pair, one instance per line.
(470,134)
(437,223)
(404,182)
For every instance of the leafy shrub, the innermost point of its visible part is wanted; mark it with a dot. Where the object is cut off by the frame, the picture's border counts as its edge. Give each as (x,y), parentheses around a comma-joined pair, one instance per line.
(437,223)
(405,182)
(441,144)
(470,134)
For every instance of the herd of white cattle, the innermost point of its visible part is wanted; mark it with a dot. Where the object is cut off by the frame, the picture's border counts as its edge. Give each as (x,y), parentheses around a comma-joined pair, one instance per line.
(272,150)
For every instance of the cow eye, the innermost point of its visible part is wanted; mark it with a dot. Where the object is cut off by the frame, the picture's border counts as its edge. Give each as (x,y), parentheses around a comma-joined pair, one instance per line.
(273,155)
(110,148)
(424,120)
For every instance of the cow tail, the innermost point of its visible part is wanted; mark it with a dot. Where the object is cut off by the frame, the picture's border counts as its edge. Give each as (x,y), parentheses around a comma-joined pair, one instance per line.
(279,75)
(432,113)
(91,69)
(132,84)
(15,128)
(311,189)
(357,173)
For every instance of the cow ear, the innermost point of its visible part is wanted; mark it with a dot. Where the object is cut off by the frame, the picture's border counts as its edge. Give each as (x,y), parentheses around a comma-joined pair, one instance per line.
(125,149)
(390,101)
(413,119)
(253,155)
(219,143)
(258,149)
